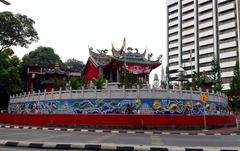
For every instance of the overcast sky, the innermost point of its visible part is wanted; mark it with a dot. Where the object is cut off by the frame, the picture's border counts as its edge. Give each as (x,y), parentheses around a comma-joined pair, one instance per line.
(70,26)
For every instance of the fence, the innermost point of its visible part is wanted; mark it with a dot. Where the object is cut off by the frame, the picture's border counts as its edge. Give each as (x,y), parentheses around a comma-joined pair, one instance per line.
(114,92)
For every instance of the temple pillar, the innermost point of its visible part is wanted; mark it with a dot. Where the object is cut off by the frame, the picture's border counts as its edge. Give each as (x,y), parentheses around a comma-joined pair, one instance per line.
(111,76)
(118,76)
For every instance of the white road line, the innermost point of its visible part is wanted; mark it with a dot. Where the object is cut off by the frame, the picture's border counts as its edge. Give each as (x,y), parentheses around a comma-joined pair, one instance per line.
(99,131)
(84,130)
(48,137)
(149,133)
(101,138)
(49,145)
(70,130)
(131,132)
(115,132)
(3,142)
(77,145)
(217,134)
(184,133)
(233,134)
(23,144)
(156,140)
(201,134)
(166,133)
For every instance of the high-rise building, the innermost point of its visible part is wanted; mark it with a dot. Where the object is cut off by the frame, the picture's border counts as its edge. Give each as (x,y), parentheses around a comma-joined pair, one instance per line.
(200,31)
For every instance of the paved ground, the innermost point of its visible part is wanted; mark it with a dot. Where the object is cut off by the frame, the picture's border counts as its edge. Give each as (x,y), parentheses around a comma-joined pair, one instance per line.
(218,131)
(25,136)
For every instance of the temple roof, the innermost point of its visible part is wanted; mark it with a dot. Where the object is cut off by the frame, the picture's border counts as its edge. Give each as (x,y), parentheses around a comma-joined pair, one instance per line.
(129,56)
(56,70)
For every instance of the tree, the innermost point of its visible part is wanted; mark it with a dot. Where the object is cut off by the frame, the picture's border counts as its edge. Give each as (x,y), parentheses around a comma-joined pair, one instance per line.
(42,56)
(233,93)
(74,64)
(196,81)
(76,83)
(99,82)
(216,70)
(10,81)
(16,30)
(58,84)
(130,80)
(218,87)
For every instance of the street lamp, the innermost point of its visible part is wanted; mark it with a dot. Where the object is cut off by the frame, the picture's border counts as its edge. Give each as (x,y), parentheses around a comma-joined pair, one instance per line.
(5,2)
(181,77)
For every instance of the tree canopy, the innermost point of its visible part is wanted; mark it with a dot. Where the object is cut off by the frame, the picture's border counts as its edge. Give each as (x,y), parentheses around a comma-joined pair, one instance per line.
(16,30)
(74,64)
(235,87)
(42,56)
(10,80)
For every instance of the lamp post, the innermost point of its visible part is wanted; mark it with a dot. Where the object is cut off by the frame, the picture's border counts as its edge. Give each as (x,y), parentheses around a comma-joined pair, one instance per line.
(181,77)
(5,2)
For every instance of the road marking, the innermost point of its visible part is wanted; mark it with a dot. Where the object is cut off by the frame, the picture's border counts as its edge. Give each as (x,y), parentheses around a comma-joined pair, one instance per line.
(156,140)
(99,131)
(101,138)
(115,132)
(48,137)
(44,128)
(14,134)
(217,134)
(149,133)
(70,130)
(201,134)
(233,134)
(184,133)
(165,133)
(84,130)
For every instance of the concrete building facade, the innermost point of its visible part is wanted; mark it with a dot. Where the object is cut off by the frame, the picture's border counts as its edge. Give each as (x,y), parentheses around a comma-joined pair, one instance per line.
(200,31)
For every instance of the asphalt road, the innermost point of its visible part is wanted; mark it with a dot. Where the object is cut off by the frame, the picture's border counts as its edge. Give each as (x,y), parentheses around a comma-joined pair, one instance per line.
(116,138)
(3,148)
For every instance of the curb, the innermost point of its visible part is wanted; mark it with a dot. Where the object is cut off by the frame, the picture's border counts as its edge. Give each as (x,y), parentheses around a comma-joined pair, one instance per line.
(119,131)
(109,147)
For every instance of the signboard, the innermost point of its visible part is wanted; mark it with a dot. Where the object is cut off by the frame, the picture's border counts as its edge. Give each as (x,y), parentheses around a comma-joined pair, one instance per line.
(204,97)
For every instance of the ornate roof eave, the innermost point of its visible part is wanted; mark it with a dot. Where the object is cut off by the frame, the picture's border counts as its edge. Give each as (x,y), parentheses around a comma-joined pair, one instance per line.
(94,56)
(56,71)
(140,62)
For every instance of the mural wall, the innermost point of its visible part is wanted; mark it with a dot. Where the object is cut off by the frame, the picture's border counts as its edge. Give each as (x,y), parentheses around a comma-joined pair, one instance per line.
(119,106)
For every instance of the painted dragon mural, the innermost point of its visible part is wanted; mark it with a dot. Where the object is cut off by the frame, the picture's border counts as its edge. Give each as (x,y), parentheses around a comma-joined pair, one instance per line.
(119,106)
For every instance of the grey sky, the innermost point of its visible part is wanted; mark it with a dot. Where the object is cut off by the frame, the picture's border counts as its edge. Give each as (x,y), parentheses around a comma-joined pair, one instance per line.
(70,26)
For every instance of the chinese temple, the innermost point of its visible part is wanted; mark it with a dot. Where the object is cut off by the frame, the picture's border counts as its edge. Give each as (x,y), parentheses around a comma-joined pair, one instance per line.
(112,66)
(54,78)
(40,77)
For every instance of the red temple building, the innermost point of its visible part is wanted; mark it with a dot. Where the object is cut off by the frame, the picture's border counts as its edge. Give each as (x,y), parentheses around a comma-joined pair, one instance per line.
(40,77)
(54,78)
(111,66)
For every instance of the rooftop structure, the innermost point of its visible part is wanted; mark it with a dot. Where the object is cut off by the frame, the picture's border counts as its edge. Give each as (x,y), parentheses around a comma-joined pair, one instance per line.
(112,66)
